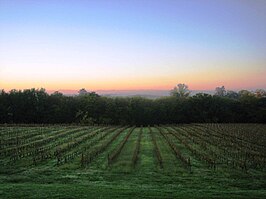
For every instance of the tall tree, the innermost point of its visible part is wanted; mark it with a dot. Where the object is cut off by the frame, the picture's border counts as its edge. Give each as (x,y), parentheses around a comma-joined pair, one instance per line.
(181,91)
(82,91)
(220,91)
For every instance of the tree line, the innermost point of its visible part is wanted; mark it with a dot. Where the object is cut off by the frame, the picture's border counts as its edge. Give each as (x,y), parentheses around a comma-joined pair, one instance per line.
(36,106)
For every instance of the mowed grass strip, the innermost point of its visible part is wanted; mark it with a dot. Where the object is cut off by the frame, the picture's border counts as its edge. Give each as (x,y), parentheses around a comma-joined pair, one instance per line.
(171,164)
(123,163)
(115,153)
(102,147)
(147,160)
(135,156)
(156,149)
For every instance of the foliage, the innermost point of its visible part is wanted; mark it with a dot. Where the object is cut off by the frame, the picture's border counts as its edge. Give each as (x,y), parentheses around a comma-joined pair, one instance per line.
(181,91)
(37,106)
(220,91)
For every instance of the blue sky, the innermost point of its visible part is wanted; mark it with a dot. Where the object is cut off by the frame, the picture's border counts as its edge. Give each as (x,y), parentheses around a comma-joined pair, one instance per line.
(132,44)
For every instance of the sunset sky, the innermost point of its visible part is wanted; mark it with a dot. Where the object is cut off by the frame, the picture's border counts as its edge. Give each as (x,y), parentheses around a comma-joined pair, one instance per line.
(131,45)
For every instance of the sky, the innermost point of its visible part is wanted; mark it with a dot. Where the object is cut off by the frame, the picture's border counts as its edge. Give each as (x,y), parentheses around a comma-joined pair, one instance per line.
(132,45)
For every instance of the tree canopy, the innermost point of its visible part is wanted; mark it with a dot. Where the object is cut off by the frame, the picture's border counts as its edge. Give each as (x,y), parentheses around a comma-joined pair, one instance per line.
(181,91)
(37,106)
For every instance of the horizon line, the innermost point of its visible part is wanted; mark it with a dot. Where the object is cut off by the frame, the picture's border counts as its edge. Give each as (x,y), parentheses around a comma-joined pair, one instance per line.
(117,91)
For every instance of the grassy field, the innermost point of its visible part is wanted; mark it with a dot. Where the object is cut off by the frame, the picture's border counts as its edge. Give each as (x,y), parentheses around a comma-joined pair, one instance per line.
(175,161)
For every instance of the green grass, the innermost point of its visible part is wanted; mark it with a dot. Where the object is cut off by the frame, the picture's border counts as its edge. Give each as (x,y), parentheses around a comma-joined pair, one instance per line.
(121,180)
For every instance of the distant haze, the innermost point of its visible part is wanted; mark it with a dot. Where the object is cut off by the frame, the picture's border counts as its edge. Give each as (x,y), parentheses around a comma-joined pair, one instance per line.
(130,93)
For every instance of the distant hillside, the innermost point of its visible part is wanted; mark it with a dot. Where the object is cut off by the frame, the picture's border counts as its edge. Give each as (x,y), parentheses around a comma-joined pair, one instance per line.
(145,93)
(152,94)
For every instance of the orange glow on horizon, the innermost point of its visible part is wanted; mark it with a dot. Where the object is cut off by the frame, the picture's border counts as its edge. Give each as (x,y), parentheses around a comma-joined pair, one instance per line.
(199,81)
(101,46)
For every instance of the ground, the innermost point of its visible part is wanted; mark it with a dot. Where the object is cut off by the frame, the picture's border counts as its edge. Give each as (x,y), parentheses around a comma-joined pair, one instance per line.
(30,168)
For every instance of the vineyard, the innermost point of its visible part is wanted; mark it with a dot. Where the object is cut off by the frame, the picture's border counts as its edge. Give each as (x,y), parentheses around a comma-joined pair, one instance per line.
(215,160)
